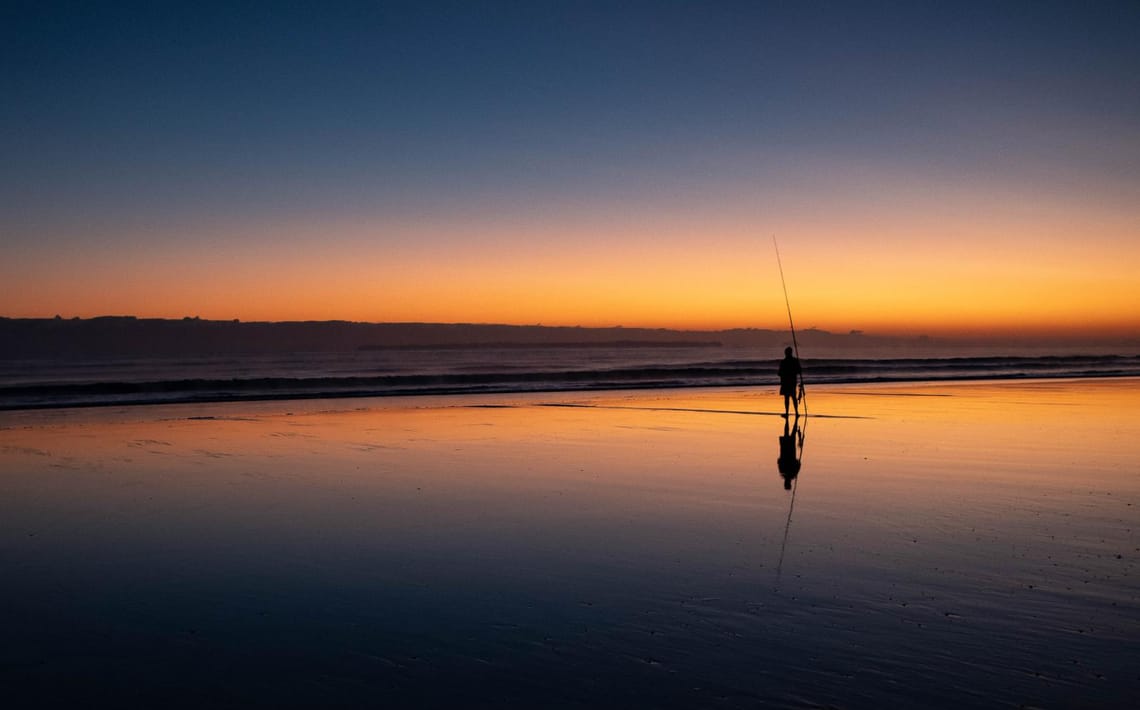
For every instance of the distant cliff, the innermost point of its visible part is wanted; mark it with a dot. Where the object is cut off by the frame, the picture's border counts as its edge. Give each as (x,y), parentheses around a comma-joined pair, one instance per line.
(130,337)
(127,336)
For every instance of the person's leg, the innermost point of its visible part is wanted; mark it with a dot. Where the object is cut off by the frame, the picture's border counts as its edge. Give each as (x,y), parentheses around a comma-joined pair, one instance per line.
(786,398)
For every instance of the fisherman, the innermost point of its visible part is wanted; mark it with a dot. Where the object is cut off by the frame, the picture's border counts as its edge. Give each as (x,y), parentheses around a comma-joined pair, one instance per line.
(790,372)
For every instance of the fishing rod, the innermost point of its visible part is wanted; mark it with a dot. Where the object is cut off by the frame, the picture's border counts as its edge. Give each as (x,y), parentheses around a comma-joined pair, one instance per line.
(791,325)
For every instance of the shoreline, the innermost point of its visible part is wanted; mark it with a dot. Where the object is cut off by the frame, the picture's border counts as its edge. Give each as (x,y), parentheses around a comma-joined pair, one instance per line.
(585,389)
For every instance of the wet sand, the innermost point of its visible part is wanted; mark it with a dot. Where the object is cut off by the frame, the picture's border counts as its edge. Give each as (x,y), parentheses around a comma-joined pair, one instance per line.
(972,544)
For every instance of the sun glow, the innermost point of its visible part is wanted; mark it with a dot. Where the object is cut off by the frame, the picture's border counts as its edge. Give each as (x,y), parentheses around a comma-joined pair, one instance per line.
(701,269)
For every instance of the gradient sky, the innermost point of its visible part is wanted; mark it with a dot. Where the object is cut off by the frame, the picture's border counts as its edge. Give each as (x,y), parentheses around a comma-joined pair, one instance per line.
(927,167)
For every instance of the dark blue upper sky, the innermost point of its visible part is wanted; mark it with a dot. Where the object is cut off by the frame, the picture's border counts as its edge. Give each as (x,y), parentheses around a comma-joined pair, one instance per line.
(236,105)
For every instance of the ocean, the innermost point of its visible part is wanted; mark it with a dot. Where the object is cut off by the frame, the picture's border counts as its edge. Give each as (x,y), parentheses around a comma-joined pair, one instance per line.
(47,383)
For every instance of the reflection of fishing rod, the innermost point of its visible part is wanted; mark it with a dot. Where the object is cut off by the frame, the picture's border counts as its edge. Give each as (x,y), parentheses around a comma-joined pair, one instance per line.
(787,526)
(788,303)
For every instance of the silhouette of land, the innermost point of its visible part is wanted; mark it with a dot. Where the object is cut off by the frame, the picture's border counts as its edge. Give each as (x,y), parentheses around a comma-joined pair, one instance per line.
(128,336)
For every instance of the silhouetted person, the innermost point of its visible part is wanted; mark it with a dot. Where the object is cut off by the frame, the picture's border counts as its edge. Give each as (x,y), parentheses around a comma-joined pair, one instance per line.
(789,462)
(789,381)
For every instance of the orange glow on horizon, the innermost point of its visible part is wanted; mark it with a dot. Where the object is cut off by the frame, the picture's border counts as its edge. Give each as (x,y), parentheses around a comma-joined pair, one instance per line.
(1002,274)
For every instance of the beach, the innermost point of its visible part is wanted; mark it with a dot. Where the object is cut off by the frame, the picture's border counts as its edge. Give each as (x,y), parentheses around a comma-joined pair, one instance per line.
(962,544)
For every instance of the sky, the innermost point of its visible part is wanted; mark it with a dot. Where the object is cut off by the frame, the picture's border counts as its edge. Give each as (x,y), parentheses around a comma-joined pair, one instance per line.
(944,168)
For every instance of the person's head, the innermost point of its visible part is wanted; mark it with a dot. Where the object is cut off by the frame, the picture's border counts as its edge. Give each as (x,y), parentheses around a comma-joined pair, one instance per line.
(787,352)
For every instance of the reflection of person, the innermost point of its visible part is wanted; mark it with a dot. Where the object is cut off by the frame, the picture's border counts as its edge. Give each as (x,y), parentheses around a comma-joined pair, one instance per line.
(790,371)
(789,462)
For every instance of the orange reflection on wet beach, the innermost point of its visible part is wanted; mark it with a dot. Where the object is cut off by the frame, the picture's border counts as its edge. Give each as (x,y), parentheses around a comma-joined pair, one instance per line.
(929,529)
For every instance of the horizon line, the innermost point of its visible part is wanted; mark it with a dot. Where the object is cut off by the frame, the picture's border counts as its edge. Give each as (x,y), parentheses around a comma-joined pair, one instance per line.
(1061,335)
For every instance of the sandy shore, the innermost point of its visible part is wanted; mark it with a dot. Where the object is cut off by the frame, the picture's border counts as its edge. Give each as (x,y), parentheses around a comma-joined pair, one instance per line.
(942,546)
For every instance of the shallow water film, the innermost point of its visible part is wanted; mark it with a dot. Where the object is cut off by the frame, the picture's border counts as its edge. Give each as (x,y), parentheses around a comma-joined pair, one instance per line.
(903,546)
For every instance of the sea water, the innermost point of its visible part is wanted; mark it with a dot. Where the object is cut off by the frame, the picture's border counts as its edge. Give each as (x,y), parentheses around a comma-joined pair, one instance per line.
(469,370)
